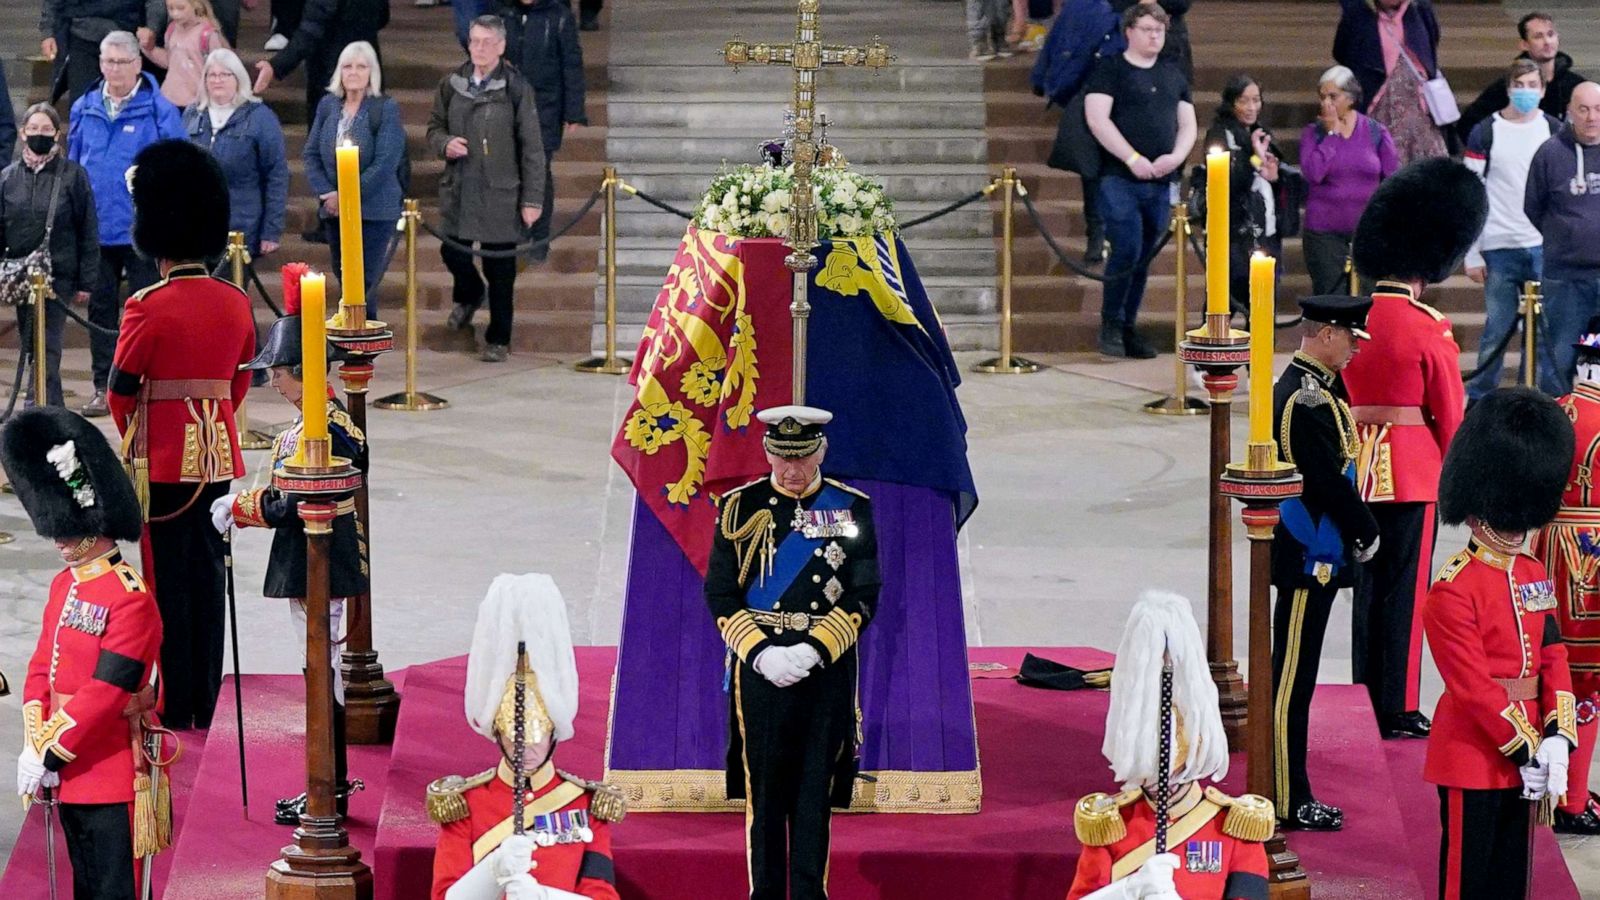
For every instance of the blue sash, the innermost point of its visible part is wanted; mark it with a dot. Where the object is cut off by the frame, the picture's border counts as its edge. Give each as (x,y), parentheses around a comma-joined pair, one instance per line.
(793,554)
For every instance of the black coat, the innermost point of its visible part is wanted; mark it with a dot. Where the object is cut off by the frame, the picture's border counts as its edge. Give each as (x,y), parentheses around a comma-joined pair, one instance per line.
(75,241)
(1247,213)
(347,555)
(1311,407)
(327,27)
(542,43)
(8,122)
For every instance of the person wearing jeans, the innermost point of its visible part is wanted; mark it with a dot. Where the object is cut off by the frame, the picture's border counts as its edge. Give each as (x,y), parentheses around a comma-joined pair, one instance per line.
(1138,108)
(1504,271)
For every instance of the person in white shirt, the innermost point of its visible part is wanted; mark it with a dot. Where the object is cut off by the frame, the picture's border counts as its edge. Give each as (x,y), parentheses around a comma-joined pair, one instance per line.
(1510,250)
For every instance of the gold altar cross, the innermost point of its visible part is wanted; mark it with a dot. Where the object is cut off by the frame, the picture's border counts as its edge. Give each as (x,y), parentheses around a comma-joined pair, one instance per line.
(805,55)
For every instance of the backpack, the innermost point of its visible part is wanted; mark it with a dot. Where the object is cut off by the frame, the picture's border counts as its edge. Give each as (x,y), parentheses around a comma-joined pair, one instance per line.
(403,170)
(1083,32)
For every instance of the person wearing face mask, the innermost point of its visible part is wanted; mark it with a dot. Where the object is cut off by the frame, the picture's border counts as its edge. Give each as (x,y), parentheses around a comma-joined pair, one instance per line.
(44,195)
(1323,534)
(1562,200)
(1541,45)
(1510,250)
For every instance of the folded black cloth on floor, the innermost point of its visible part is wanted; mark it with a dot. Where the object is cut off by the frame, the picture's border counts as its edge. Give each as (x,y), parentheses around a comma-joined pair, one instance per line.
(1043,673)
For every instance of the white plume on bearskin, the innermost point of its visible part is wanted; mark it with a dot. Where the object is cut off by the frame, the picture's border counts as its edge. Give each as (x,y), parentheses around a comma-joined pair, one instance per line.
(1162,622)
(526,608)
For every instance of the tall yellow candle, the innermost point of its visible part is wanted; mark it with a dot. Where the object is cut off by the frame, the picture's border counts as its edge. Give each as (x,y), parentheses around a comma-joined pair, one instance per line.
(313,358)
(1217,200)
(1262,314)
(352,274)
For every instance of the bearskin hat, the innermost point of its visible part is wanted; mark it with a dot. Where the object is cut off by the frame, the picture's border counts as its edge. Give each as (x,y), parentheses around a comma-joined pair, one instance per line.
(180,202)
(67,476)
(1420,222)
(1508,464)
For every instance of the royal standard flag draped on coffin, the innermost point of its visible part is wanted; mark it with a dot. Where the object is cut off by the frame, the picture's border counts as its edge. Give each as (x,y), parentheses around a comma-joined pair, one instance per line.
(716,350)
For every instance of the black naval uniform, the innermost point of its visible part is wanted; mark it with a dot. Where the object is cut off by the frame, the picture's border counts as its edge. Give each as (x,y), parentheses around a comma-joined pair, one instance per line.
(792,751)
(1311,553)
(348,570)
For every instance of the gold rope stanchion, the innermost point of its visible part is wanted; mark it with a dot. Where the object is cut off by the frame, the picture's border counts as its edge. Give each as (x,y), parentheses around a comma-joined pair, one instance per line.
(1006,363)
(1179,403)
(410,400)
(1352,277)
(39,294)
(1530,309)
(238,257)
(610,363)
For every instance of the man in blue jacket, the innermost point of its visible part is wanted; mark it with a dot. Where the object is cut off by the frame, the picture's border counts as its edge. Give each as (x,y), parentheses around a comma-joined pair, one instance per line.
(111,123)
(1563,202)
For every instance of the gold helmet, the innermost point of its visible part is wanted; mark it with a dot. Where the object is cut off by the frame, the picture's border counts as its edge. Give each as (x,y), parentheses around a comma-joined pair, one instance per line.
(526,610)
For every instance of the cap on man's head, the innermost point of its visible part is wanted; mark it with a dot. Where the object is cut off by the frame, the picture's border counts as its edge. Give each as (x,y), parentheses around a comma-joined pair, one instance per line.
(1341,310)
(793,431)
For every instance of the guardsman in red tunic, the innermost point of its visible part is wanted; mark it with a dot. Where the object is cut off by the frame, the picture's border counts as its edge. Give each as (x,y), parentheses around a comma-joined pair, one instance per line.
(1213,845)
(1407,399)
(1507,722)
(1569,547)
(563,849)
(86,703)
(175,382)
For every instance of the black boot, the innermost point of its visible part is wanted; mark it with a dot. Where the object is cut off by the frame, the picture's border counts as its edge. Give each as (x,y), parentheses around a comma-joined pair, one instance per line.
(1586,822)
(1135,345)
(1314,815)
(1411,724)
(1111,339)
(289,810)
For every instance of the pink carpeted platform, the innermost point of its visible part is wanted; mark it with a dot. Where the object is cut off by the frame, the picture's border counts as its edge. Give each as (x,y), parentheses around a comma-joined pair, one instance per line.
(1040,752)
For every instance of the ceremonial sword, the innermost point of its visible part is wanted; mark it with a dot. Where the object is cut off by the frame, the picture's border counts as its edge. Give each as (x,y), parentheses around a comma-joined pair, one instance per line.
(519,740)
(238,689)
(1164,764)
(48,801)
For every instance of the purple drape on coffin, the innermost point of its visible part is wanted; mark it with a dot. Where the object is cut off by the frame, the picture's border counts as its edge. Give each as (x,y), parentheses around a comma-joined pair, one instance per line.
(670,712)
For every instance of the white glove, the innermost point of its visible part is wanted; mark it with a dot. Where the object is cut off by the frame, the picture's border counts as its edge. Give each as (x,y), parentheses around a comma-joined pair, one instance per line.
(1552,755)
(222,513)
(1154,879)
(50,779)
(513,858)
(1365,556)
(1535,780)
(523,887)
(30,772)
(777,666)
(805,656)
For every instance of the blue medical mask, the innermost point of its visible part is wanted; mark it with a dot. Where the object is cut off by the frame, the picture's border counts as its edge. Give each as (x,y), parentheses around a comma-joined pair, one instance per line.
(1525,100)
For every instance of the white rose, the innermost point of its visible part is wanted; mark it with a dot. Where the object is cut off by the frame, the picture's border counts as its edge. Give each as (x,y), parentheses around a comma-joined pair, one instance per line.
(769,203)
(778,224)
(849,225)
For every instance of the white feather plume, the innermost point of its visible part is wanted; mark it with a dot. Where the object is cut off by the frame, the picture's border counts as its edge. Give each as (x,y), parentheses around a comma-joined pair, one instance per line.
(1163,622)
(526,608)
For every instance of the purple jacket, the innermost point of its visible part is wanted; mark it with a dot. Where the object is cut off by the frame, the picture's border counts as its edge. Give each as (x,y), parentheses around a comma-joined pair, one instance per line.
(1341,173)
(1356,43)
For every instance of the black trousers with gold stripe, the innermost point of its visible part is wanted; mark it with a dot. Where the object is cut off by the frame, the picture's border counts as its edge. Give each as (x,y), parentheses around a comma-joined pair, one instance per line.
(790,741)
(1486,847)
(1299,622)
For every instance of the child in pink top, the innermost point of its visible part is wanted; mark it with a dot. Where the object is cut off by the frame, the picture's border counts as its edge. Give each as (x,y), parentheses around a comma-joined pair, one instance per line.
(192,32)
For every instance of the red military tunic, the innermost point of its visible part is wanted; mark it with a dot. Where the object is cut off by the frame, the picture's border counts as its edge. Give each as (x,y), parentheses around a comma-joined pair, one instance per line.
(176,381)
(1491,621)
(475,816)
(1569,547)
(101,636)
(1406,395)
(1216,862)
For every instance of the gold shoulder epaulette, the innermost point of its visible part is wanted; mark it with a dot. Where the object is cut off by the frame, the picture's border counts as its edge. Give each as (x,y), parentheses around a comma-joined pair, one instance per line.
(446,797)
(1453,567)
(1097,818)
(1250,816)
(847,488)
(1437,316)
(129,577)
(139,294)
(343,420)
(606,801)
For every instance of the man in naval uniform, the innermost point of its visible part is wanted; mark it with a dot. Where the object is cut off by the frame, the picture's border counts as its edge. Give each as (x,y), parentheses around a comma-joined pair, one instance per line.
(268,507)
(1507,723)
(792,581)
(1323,533)
(87,700)
(1213,849)
(175,383)
(1569,547)
(563,849)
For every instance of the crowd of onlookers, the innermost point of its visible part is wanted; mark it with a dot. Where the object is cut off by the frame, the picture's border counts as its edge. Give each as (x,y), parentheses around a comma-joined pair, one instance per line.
(132,74)
(1121,72)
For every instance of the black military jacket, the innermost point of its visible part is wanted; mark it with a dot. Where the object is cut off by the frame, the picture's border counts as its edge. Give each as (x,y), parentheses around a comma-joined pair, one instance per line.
(1317,433)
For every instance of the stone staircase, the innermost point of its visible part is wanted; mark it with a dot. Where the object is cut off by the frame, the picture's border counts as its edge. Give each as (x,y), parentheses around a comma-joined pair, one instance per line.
(676,114)
(1285,45)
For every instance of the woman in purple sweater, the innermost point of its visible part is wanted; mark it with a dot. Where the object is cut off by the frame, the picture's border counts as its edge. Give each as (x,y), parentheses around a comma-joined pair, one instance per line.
(1343,155)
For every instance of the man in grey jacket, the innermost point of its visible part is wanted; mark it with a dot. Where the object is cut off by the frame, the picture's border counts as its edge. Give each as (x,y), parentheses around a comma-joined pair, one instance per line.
(485,125)
(1563,202)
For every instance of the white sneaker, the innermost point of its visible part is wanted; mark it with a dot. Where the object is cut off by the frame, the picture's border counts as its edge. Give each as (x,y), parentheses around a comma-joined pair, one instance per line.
(275,43)
(427,3)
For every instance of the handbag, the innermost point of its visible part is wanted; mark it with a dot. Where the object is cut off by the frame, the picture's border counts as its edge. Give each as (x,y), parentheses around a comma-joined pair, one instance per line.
(16,275)
(1436,93)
